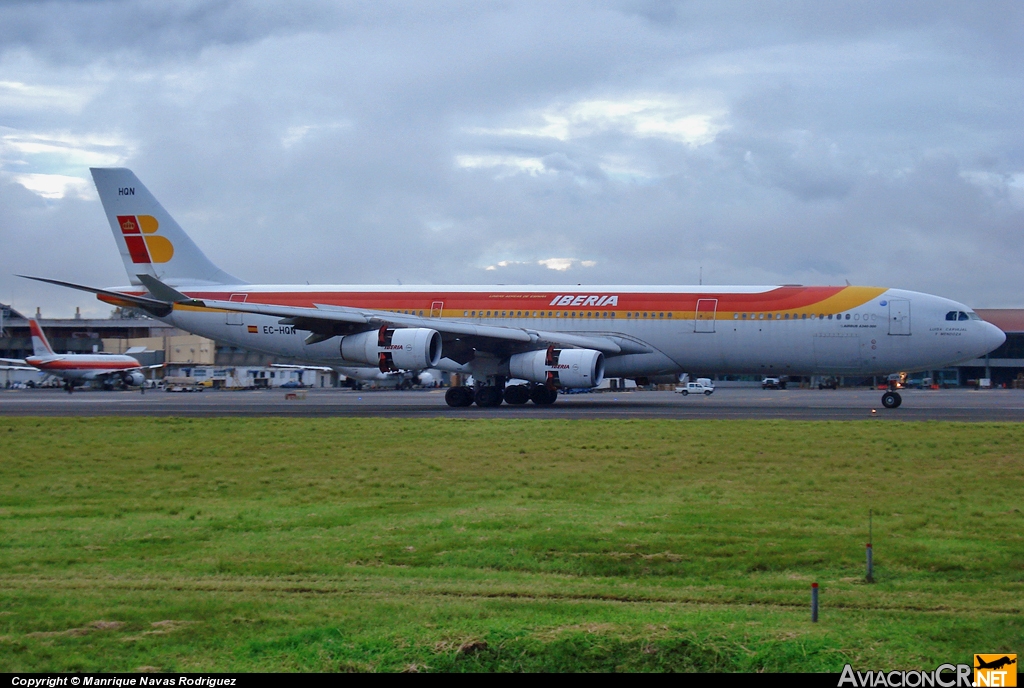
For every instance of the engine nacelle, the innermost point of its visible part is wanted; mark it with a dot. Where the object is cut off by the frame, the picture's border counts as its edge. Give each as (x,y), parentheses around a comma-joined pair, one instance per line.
(411,348)
(134,379)
(570,368)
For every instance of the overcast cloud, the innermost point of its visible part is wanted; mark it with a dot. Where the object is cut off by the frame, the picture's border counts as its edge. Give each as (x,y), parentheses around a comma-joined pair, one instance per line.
(518,142)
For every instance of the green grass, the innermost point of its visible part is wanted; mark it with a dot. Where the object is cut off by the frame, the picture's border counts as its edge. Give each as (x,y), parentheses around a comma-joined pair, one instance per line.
(281,544)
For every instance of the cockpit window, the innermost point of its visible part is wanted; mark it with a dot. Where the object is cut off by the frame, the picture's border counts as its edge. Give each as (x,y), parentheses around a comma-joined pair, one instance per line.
(961,315)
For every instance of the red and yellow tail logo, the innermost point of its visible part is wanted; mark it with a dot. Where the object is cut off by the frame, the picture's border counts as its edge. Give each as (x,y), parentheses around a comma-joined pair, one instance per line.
(144,244)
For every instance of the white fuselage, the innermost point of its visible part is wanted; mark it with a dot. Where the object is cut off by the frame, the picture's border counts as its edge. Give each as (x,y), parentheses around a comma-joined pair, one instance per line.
(717,330)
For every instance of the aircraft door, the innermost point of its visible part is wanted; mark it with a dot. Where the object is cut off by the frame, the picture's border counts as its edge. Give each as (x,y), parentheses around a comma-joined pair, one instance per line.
(235,318)
(899,316)
(704,319)
(436,308)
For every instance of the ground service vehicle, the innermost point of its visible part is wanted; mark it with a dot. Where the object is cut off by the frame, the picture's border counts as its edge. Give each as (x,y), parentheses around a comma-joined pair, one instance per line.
(695,388)
(550,336)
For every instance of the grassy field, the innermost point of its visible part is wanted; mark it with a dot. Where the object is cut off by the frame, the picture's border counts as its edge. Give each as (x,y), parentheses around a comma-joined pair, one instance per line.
(324,545)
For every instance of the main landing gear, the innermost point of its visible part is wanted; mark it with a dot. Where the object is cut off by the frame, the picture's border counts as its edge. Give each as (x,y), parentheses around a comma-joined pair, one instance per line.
(490,396)
(891,400)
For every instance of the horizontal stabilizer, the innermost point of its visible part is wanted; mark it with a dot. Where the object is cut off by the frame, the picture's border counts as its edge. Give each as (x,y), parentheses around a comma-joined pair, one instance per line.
(157,308)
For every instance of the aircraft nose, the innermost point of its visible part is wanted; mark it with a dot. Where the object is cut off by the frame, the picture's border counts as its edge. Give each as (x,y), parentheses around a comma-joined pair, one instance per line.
(993,337)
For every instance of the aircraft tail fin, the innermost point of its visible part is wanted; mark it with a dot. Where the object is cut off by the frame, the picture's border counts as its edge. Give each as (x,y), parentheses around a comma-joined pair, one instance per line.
(149,239)
(40,345)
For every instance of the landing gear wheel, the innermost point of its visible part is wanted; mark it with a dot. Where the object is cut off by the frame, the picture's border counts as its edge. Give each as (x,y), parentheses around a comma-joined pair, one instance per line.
(488,397)
(891,400)
(542,396)
(459,397)
(517,394)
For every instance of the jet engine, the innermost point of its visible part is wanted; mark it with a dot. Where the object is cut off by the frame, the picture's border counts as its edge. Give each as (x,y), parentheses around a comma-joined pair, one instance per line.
(411,348)
(134,379)
(559,367)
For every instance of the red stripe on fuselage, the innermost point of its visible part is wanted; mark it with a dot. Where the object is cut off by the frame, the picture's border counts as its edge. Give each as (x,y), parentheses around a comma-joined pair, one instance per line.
(781,298)
(66,364)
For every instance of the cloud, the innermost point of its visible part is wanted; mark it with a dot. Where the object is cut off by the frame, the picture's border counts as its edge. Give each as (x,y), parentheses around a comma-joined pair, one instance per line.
(645,116)
(55,164)
(509,163)
(557,264)
(54,185)
(376,142)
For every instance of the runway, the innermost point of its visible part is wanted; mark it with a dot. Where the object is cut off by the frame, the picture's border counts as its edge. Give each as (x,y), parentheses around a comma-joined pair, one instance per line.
(727,403)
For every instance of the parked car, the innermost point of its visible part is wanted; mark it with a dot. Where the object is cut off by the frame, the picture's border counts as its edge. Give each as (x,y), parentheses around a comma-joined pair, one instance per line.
(292,384)
(772,383)
(695,388)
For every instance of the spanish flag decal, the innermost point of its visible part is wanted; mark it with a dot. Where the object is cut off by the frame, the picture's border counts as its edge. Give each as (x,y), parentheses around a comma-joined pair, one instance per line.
(253,329)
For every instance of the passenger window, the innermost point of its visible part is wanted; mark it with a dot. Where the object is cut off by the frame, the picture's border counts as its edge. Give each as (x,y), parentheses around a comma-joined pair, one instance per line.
(735,316)
(465,313)
(786,317)
(847,316)
(829,316)
(769,316)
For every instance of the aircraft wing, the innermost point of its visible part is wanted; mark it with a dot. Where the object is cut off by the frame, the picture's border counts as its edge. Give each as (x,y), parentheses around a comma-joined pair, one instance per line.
(323,369)
(324,322)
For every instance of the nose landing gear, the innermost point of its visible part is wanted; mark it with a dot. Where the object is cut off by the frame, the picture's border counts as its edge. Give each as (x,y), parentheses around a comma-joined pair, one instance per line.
(891,400)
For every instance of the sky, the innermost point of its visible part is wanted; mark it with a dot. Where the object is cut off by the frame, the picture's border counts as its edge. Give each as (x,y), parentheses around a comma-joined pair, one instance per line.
(476,142)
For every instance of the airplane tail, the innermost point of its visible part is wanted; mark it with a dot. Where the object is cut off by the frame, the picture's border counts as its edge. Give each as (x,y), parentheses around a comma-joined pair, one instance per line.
(40,345)
(149,239)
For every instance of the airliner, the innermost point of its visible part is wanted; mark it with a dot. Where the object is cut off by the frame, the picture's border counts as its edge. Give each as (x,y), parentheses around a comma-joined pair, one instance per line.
(76,369)
(548,337)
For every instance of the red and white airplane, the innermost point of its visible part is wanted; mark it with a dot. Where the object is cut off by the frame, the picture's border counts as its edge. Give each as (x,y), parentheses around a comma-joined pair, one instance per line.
(76,369)
(548,336)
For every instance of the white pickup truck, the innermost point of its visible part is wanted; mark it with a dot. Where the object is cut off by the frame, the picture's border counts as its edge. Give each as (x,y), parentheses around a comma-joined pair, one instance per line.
(695,388)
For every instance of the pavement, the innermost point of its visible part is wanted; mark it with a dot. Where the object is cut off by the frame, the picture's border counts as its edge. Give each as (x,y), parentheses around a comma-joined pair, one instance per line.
(725,403)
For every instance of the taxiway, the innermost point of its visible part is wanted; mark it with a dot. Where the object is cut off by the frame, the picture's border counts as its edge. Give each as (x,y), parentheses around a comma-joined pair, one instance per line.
(727,403)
